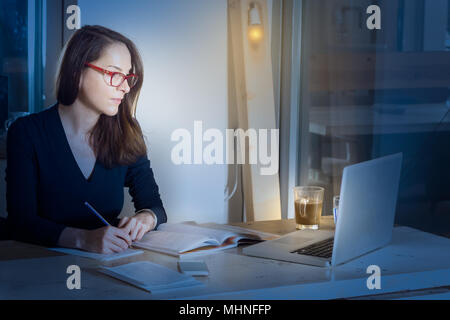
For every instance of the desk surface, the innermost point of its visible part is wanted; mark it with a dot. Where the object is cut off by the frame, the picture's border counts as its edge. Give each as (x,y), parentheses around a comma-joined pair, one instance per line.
(415,260)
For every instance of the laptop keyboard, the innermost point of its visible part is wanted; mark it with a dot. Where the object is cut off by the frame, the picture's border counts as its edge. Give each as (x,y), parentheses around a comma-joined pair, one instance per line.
(322,249)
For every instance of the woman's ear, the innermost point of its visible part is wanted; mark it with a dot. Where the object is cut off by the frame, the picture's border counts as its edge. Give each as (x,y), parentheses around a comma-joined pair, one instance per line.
(81,80)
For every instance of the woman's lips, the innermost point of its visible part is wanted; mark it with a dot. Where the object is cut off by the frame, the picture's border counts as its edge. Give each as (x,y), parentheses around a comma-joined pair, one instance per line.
(118,101)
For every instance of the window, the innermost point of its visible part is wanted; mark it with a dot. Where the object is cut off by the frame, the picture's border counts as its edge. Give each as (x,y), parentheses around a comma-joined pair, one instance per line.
(31,38)
(13,58)
(367,93)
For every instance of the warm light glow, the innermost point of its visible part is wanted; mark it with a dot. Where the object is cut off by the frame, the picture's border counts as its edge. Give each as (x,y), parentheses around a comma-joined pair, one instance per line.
(255,28)
(255,33)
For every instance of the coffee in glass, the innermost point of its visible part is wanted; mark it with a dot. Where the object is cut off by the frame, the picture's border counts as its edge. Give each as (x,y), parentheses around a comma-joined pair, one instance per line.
(308,207)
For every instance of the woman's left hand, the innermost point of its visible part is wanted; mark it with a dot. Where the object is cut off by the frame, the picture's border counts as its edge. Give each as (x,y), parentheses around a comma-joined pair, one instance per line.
(138,225)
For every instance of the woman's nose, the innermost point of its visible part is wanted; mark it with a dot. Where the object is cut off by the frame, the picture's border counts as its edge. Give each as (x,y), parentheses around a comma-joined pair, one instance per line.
(125,87)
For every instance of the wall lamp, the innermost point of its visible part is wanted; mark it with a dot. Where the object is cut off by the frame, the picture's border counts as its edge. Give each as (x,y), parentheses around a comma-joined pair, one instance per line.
(255,27)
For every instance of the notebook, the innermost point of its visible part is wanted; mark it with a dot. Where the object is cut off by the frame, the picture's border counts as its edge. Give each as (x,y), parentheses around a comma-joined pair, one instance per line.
(99,256)
(151,277)
(188,240)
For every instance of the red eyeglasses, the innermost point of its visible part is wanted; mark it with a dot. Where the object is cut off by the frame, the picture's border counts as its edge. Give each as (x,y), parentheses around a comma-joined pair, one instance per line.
(115,79)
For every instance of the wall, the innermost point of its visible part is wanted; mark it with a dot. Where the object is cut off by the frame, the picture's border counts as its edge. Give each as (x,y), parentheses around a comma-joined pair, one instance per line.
(184,48)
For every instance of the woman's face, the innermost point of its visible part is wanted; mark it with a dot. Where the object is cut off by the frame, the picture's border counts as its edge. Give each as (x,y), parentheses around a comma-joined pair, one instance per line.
(95,91)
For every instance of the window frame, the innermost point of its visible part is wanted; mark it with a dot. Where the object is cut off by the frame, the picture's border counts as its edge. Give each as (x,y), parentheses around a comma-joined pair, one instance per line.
(294,113)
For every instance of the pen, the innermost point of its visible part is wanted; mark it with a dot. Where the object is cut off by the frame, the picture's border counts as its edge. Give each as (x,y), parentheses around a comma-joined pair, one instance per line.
(96,213)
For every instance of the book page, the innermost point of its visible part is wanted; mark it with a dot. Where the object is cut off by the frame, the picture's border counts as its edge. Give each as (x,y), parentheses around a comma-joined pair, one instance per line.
(174,242)
(219,235)
(230,243)
(259,235)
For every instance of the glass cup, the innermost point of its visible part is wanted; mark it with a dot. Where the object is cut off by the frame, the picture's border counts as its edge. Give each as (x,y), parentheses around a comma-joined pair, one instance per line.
(335,208)
(308,207)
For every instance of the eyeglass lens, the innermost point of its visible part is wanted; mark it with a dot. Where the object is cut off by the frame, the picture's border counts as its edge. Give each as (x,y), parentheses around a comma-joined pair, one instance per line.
(118,78)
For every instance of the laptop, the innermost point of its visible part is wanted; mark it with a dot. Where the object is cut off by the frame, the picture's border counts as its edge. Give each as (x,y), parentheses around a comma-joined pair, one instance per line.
(365,221)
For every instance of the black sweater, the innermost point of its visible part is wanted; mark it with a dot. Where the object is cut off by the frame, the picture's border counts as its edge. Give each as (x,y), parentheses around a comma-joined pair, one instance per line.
(46,190)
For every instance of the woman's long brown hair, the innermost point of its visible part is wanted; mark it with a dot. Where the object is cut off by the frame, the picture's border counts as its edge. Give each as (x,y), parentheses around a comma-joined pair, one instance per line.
(116,140)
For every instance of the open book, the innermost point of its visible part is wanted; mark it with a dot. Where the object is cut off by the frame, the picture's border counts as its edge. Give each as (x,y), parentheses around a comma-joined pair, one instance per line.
(186,240)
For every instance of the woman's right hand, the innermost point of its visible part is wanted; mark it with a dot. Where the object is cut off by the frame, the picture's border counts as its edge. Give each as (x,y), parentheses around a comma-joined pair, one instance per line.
(107,239)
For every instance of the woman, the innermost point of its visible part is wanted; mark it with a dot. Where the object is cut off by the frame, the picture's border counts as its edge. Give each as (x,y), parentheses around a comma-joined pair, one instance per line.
(85,148)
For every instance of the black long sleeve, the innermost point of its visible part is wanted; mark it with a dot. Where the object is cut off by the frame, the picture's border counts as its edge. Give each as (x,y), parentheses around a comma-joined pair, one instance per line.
(21,192)
(144,190)
(46,190)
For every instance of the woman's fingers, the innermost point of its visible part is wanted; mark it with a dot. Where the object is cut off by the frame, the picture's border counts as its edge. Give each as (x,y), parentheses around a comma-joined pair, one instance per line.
(109,246)
(107,240)
(123,235)
(134,227)
(123,221)
(114,248)
(119,242)
(129,225)
(140,234)
(135,231)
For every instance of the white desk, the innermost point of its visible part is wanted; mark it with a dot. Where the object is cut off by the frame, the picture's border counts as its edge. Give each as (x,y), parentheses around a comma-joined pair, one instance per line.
(414,260)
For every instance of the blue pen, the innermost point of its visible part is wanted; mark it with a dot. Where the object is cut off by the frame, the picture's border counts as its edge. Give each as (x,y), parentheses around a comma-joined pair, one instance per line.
(97,214)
